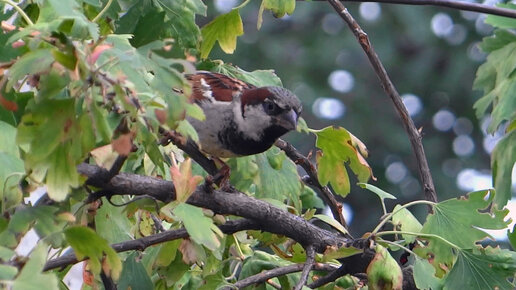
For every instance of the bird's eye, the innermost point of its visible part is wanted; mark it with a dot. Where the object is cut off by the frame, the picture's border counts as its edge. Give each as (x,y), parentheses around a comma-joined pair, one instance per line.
(270,107)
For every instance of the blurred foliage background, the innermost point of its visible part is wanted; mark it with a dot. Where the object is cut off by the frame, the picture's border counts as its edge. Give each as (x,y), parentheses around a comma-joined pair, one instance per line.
(431,55)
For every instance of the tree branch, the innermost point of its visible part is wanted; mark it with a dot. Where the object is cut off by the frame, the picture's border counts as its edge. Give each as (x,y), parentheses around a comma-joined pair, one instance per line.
(264,214)
(413,134)
(141,244)
(310,260)
(459,5)
(325,193)
(276,272)
(332,276)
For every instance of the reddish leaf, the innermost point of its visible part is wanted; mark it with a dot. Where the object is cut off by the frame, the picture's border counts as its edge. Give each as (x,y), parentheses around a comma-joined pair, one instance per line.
(123,144)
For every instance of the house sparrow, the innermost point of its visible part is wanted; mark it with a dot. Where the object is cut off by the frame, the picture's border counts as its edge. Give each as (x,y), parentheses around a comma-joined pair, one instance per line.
(241,119)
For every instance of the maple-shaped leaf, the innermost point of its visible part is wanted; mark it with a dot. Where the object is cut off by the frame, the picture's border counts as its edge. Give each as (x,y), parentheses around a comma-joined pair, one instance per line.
(184,182)
(86,243)
(201,229)
(458,221)
(337,146)
(482,268)
(225,29)
(384,272)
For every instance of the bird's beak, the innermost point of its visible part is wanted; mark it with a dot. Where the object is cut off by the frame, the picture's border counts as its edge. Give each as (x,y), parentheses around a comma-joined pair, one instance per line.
(288,120)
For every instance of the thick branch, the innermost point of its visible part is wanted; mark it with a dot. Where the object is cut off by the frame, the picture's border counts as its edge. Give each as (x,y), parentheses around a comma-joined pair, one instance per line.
(326,194)
(276,272)
(141,244)
(268,217)
(413,134)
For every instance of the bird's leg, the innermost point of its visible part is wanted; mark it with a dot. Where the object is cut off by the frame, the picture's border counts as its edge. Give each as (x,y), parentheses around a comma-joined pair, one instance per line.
(222,176)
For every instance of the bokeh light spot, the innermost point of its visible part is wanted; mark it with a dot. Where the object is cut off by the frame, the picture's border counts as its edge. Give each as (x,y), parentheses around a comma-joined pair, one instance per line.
(412,103)
(441,24)
(224,6)
(443,120)
(395,172)
(463,145)
(370,11)
(332,24)
(328,108)
(341,81)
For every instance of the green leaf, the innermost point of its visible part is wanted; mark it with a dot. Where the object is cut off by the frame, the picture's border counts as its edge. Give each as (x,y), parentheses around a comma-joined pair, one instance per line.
(62,173)
(381,193)
(259,262)
(225,29)
(512,236)
(200,228)
(332,222)
(7,272)
(33,62)
(278,7)
(480,268)
(31,276)
(384,272)
(134,275)
(495,77)
(11,172)
(259,78)
(167,253)
(112,222)
(424,275)
(337,150)
(503,159)
(458,221)
(500,21)
(86,243)
(269,175)
(499,39)
(72,19)
(405,221)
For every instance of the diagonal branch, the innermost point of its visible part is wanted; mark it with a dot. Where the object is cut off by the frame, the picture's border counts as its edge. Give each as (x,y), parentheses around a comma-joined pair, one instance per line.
(413,134)
(326,194)
(310,260)
(276,272)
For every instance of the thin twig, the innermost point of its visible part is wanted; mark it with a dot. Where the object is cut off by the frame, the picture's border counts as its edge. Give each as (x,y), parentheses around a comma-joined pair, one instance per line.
(413,134)
(190,148)
(141,244)
(280,271)
(325,192)
(332,276)
(310,260)
(459,5)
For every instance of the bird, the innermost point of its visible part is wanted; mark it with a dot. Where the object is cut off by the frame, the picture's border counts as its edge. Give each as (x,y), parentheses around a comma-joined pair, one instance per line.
(241,119)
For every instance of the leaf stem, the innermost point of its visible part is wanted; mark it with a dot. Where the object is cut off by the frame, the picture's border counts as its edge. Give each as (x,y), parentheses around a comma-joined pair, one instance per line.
(103,11)
(420,235)
(243,4)
(397,245)
(389,216)
(20,11)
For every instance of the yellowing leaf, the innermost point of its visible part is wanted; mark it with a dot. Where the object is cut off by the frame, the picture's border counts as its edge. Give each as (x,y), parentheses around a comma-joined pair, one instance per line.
(224,29)
(86,243)
(277,7)
(337,148)
(183,180)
